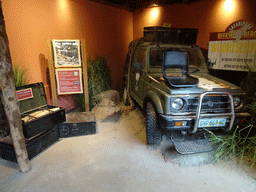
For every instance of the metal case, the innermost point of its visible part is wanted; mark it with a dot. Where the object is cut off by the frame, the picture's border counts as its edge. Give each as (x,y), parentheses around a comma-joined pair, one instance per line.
(34,145)
(42,132)
(36,104)
(39,132)
(78,124)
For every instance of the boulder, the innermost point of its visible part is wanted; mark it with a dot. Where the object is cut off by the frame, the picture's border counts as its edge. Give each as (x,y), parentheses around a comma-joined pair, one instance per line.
(112,95)
(107,111)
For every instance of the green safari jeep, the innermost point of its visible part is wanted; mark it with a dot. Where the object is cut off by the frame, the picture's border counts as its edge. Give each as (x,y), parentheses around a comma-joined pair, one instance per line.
(166,74)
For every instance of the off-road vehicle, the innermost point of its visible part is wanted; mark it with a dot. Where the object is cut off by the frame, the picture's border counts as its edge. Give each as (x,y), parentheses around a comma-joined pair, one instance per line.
(167,75)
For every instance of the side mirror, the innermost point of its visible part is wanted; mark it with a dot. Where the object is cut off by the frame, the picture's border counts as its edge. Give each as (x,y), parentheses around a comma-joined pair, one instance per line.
(137,67)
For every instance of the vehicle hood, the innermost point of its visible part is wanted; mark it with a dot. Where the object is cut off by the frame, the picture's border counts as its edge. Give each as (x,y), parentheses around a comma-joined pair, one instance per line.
(207,82)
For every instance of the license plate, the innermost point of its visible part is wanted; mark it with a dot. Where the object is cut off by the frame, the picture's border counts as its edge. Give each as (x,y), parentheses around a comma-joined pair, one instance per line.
(212,123)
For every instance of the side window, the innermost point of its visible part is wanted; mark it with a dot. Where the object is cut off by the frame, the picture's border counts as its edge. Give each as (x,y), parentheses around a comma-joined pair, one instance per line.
(140,57)
(156,58)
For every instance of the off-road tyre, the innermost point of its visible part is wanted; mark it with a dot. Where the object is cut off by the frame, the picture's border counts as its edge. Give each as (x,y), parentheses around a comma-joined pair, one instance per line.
(153,132)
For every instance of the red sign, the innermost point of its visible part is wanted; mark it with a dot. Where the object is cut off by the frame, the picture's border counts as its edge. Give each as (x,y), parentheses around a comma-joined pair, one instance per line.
(69,81)
(24,94)
(239,30)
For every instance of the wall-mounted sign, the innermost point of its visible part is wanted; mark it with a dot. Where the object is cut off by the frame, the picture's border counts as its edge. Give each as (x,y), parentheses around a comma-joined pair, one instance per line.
(24,94)
(66,53)
(69,81)
(234,49)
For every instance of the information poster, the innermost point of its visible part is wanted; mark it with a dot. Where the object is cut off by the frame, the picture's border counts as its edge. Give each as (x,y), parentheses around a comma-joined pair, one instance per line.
(234,49)
(69,81)
(66,53)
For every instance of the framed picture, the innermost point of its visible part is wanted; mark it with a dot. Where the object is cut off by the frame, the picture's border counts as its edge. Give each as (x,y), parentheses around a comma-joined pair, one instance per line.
(66,53)
(69,81)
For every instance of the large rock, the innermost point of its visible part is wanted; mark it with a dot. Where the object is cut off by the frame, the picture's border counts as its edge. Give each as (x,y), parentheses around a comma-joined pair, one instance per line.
(112,95)
(106,110)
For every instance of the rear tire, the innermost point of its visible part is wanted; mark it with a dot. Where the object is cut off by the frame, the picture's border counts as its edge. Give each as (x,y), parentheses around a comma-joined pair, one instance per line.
(126,97)
(153,133)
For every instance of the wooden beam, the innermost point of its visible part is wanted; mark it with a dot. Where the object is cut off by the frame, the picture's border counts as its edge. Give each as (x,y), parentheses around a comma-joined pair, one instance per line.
(10,100)
(52,74)
(85,76)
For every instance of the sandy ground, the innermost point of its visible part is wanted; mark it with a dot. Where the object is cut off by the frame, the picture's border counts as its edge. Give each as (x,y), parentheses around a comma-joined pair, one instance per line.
(117,159)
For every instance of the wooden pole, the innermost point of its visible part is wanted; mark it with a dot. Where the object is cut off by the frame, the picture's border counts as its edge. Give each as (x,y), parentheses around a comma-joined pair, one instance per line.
(52,74)
(85,76)
(9,99)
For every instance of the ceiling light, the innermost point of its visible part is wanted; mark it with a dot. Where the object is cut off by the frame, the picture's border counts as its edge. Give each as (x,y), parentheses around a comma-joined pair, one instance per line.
(229,5)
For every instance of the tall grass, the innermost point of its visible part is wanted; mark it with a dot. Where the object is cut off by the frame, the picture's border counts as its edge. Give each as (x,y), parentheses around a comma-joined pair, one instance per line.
(20,75)
(99,80)
(236,145)
(241,144)
(21,78)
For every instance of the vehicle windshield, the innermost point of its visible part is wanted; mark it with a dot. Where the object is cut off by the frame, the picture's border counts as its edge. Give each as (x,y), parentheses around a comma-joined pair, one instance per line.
(196,59)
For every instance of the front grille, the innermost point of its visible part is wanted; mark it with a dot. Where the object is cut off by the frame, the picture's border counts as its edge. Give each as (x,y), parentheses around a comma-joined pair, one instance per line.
(210,104)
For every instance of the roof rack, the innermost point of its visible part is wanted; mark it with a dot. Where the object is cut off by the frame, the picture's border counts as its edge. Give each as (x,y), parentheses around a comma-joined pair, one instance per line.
(158,34)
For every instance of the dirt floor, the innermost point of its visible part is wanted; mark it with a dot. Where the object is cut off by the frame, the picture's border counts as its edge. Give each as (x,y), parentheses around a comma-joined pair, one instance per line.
(118,159)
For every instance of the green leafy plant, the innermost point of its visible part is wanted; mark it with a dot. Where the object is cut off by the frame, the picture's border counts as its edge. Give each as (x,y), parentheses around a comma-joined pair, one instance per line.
(238,145)
(241,144)
(99,80)
(20,75)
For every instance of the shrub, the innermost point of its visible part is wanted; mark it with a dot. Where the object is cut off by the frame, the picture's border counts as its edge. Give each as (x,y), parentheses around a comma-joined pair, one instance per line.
(99,80)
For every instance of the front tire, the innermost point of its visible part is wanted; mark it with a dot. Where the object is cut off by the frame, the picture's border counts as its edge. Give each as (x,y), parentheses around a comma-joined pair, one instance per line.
(153,133)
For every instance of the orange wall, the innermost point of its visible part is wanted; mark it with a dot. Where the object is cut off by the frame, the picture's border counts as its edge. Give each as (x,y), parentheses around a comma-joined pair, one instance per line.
(106,29)
(208,16)
(29,24)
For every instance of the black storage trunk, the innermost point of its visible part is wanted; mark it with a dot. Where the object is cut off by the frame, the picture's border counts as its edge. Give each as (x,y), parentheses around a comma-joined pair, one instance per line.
(34,145)
(78,124)
(39,125)
(40,132)
(186,36)
(33,105)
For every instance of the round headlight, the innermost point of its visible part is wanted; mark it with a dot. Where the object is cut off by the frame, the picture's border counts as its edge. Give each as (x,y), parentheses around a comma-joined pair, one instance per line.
(237,101)
(177,103)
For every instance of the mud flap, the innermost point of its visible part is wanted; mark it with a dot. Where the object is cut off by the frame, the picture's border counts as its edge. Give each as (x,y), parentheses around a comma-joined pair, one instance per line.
(189,144)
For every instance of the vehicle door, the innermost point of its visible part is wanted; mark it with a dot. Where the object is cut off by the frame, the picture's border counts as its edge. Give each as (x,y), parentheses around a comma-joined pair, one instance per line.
(138,74)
